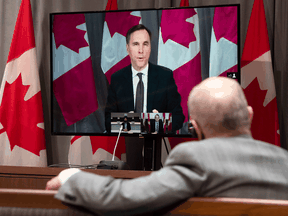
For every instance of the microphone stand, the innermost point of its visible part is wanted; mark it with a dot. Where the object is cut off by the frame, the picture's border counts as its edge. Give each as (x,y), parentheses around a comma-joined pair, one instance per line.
(117,165)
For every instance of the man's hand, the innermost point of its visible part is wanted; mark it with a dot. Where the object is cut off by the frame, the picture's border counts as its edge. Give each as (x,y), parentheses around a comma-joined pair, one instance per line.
(53,184)
(56,182)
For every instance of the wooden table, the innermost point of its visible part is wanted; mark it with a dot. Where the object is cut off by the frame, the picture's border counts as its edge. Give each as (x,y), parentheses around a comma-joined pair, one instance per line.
(37,177)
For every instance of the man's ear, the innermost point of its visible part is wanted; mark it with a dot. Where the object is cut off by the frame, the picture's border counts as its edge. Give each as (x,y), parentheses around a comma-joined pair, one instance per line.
(250,111)
(196,128)
(127,48)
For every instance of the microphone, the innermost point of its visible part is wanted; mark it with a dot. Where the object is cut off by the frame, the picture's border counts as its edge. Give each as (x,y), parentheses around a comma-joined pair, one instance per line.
(120,165)
(121,128)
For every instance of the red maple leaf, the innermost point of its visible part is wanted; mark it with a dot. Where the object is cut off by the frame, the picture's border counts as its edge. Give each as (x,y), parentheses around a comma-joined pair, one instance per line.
(108,143)
(225,23)
(120,22)
(74,139)
(20,118)
(66,33)
(111,5)
(105,142)
(175,27)
(265,120)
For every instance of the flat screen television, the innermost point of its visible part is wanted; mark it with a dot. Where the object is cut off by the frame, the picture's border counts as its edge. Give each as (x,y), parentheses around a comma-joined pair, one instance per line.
(88,49)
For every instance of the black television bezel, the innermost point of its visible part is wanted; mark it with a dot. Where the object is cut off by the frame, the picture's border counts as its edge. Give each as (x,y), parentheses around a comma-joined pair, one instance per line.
(238,74)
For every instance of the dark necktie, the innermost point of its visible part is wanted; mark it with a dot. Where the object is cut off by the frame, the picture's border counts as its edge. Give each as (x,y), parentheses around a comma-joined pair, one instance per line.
(139,95)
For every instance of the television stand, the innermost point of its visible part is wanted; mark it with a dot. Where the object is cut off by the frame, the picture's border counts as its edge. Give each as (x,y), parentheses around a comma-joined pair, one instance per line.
(152,152)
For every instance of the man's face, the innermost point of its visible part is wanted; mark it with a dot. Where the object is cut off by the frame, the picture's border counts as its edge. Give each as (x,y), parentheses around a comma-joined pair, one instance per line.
(139,49)
(157,118)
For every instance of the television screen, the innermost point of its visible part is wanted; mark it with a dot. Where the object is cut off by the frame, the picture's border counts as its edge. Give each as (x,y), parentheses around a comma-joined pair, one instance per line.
(100,77)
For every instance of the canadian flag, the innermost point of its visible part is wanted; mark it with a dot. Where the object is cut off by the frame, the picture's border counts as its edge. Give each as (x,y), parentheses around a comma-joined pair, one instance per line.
(114,55)
(73,79)
(179,49)
(112,5)
(87,150)
(223,48)
(22,138)
(257,78)
(186,63)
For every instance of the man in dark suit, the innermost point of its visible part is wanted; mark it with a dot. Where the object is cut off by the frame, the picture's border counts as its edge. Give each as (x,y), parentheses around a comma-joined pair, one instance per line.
(160,91)
(156,125)
(157,88)
(126,125)
(227,163)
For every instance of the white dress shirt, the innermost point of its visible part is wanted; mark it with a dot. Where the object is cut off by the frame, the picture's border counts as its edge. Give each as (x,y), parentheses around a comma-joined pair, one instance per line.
(64,175)
(135,80)
(156,126)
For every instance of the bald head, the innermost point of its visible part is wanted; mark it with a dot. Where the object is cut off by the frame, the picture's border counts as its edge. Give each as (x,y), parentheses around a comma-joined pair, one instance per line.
(219,107)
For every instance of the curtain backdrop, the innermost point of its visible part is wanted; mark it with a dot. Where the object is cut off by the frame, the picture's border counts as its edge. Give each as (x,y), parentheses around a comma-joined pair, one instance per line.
(58,146)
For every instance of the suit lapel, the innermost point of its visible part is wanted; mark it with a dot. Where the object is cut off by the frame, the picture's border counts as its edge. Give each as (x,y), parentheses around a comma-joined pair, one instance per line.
(152,86)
